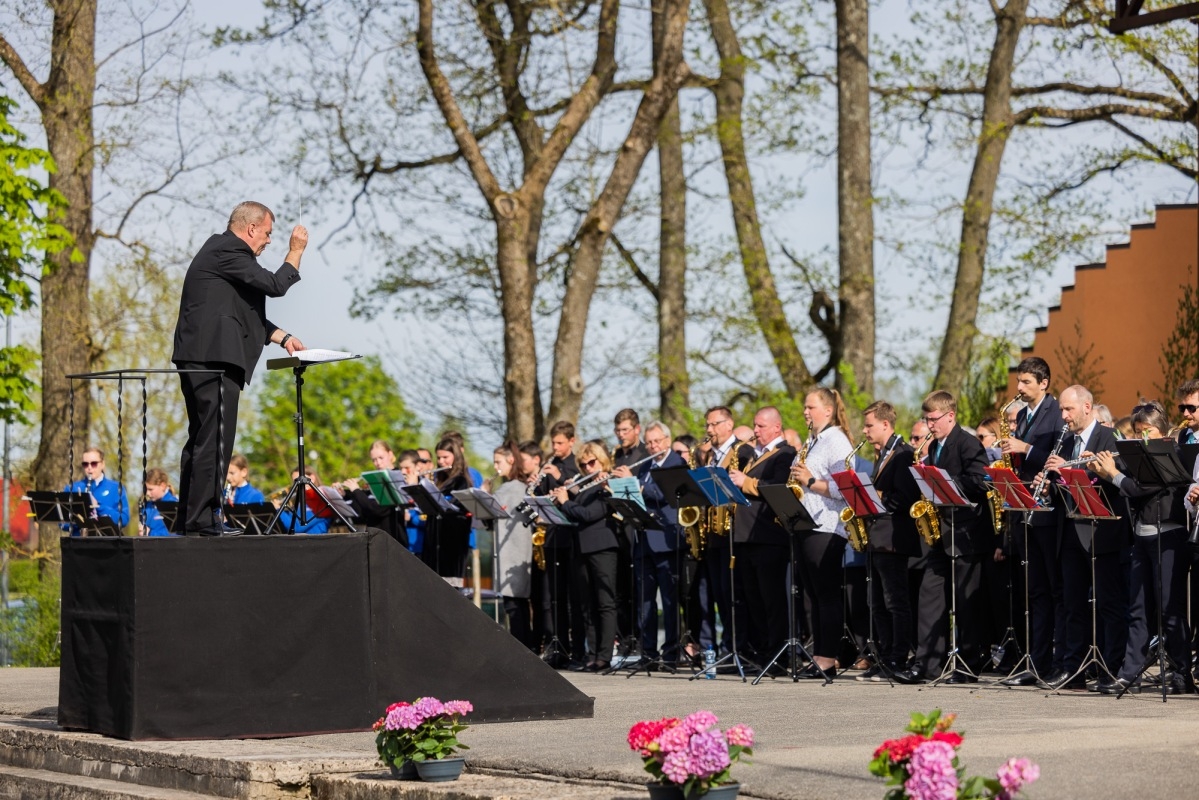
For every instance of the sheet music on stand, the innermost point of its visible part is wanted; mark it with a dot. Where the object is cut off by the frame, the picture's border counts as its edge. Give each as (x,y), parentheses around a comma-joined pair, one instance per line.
(787,508)
(305,358)
(626,489)
(253,518)
(444,505)
(387,487)
(1153,462)
(1016,496)
(325,499)
(481,505)
(938,488)
(169,511)
(858,491)
(100,526)
(545,509)
(69,508)
(717,486)
(1088,503)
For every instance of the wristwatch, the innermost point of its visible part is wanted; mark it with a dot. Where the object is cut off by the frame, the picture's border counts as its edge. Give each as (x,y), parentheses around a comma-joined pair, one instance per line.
(283,341)
(811,481)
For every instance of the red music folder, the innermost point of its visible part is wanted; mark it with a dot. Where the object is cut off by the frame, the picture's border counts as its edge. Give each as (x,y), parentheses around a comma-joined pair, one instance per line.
(1015,494)
(945,492)
(1086,497)
(859,493)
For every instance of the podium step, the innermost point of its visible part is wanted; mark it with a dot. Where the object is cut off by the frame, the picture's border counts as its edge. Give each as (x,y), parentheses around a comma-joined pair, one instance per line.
(19,783)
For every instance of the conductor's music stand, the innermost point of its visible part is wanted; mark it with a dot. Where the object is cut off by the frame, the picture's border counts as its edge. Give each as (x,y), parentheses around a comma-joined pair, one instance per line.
(1154,464)
(1088,505)
(859,494)
(297,363)
(1018,500)
(940,489)
(794,519)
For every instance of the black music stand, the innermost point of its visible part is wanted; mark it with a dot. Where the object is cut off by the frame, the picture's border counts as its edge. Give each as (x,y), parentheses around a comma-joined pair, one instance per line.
(486,509)
(707,487)
(1017,499)
(253,518)
(64,508)
(1088,505)
(1154,464)
(940,489)
(640,520)
(297,363)
(859,493)
(794,519)
(169,511)
(540,509)
(435,507)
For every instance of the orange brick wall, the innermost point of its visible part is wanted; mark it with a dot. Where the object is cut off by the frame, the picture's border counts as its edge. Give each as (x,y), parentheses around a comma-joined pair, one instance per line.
(1126,308)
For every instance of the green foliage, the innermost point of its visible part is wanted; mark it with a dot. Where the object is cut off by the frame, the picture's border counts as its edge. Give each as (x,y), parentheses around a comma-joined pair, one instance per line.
(986,379)
(347,406)
(1180,355)
(30,632)
(27,235)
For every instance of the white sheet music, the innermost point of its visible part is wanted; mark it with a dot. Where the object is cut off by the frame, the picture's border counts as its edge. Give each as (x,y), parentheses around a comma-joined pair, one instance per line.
(316,355)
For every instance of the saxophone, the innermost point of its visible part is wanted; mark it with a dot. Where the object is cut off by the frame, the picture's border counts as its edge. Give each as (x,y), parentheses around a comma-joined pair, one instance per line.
(1005,462)
(720,518)
(859,537)
(924,512)
(692,518)
(801,458)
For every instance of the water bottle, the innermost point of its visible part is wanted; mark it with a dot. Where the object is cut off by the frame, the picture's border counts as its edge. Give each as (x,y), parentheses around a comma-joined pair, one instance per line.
(710,664)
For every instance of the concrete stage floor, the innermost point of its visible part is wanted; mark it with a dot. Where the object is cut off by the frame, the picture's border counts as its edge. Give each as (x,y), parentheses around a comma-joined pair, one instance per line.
(814,741)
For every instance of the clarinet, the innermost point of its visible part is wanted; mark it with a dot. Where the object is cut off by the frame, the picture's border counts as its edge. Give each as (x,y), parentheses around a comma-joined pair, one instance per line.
(1039,486)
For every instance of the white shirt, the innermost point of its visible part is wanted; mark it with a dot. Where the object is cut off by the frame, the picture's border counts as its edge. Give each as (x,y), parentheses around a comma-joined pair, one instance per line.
(720,452)
(826,456)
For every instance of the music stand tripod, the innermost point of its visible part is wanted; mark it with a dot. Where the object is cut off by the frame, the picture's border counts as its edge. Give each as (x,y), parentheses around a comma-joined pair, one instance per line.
(300,485)
(639,521)
(794,519)
(1017,499)
(530,512)
(867,507)
(1088,505)
(999,650)
(1154,464)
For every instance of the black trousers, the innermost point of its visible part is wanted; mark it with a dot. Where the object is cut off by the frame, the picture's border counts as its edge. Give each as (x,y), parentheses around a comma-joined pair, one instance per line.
(1044,592)
(1144,582)
(595,577)
(929,582)
(762,570)
(714,594)
(1111,598)
(656,572)
(820,555)
(892,606)
(211,402)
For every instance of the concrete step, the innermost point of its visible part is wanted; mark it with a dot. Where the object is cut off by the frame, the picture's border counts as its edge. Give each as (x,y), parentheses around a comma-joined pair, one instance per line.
(17,783)
(490,785)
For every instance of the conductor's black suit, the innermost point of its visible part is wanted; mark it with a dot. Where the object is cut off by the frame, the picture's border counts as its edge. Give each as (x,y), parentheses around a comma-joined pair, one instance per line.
(222,325)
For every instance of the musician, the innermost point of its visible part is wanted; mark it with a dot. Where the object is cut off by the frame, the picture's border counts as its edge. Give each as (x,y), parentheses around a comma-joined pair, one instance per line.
(967,536)
(655,552)
(557,610)
(919,431)
(1159,521)
(893,539)
(561,467)
(238,490)
(1104,415)
(392,519)
(1188,408)
(682,445)
(714,588)
(448,536)
(158,490)
(513,545)
(476,477)
(1088,436)
(106,497)
(596,542)
(822,550)
(414,520)
(627,427)
(1039,429)
(988,434)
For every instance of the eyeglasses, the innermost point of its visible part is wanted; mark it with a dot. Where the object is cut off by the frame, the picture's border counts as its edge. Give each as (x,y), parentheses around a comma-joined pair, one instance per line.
(590,463)
(1187,408)
(424,460)
(982,437)
(86,464)
(934,420)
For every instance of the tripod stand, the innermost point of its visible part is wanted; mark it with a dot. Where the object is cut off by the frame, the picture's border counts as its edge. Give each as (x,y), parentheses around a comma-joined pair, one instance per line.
(301,483)
(793,647)
(1025,665)
(869,649)
(1009,635)
(554,651)
(954,662)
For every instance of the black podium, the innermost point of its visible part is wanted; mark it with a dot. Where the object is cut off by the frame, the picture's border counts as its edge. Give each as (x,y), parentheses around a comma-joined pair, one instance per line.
(264,636)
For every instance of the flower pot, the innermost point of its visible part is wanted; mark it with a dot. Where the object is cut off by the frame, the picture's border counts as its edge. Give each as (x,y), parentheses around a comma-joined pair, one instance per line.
(438,770)
(672,791)
(406,772)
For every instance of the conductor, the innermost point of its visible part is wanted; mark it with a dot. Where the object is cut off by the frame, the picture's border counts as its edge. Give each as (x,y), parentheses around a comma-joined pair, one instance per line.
(223,326)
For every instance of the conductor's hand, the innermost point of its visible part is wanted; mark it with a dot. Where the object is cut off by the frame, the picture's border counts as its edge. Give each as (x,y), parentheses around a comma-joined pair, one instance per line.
(295,248)
(293,346)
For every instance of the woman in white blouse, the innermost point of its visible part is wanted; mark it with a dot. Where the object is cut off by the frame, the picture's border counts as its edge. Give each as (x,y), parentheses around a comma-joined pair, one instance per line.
(821,551)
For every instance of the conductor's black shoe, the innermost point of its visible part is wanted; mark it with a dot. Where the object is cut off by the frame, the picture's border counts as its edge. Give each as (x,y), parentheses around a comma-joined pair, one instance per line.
(1025,678)
(221,530)
(1118,686)
(958,678)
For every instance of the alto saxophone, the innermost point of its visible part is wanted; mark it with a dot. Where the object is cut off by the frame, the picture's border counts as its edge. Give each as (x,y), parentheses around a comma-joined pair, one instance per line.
(925,513)
(1005,462)
(855,526)
(692,518)
(801,458)
(720,518)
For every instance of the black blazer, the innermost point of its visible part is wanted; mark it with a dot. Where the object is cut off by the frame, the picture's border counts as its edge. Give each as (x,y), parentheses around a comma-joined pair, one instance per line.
(757,523)
(1110,536)
(666,535)
(965,459)
(896,533)
(589,511)
(222,309)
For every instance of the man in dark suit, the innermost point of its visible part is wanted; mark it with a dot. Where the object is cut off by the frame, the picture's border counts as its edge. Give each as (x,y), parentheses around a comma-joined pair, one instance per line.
(1039,429)
(893,539)
(656,549)
(1111,537)
(966,533)
(223,326)
(761,542)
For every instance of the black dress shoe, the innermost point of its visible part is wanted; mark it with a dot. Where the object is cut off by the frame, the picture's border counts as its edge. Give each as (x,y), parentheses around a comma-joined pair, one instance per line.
(1058,678)
(875,672)
(221,530)
(578,666)
(597,666)
(958,678)
(1025,678)
(912,676)
(1118,686)
(813,672)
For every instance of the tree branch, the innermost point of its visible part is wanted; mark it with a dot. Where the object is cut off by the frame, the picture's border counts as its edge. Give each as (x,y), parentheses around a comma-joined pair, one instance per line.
(35,90)
(631,261)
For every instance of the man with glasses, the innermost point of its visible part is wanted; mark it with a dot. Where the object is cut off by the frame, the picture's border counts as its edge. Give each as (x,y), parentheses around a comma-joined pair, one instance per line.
(629,450)
(223,326)
(1038,429)
(966,537)
(106,497)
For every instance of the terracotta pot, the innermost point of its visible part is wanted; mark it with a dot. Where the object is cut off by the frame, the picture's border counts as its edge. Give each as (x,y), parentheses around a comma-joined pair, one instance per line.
(442,769)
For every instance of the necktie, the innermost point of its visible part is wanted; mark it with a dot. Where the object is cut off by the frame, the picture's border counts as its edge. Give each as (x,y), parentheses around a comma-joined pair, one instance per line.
(1025,425)
(1190,437)
(1077,448)
(937,453)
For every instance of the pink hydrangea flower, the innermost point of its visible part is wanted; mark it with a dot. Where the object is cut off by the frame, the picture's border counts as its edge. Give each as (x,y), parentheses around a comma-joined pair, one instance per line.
(1014,774)
(404,717)
(674,739)
(458,707)
(429,707)
(699,721)
(741,735)
(709,754)
(678,766)
(931,775)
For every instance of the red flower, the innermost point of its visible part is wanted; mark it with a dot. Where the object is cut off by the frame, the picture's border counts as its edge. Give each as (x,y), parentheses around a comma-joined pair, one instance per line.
(950,738)
(646,732)
(900,749)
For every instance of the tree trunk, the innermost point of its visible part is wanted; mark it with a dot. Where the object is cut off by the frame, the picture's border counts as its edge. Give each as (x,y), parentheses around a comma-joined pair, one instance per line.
(976,212)
(66,110)
(674,382)
(567,389)
(521,400)
(855,218)
(729,92)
